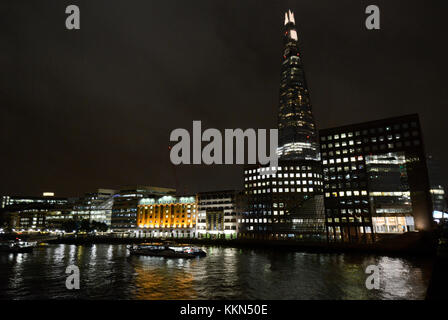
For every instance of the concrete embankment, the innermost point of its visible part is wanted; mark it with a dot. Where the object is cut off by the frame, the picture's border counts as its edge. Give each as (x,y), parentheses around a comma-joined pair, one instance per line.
(408,244)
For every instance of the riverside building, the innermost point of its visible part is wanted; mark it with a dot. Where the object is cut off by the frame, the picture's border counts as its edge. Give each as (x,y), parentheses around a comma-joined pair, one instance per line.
(47,198)
(125,205)
(216,217)
(167,216)
(33,212)
(287,204)
(375,179)
(95,206)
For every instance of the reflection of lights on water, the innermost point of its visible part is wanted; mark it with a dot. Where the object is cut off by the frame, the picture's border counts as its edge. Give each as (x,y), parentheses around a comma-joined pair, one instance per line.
(19,258)
(58,253)
(228,272)
(229,261)
(109,253)
(71,253)
(396,277)
(267,267)
(93,255)
(16,281)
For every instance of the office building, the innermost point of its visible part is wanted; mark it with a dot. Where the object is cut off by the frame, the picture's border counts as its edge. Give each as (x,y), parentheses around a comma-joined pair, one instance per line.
(375,179)
(279,205)
(125,205)
(47,198)
(95,206)
(31,212)
(216,217)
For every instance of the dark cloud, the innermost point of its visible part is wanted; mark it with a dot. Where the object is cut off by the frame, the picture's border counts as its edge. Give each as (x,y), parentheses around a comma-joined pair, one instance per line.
(94,108)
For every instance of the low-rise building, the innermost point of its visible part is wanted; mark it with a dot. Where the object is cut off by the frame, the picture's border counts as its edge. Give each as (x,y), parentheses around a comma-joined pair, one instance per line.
(125,205)
(216,216)
(47,198)
(167,216)
(32,212)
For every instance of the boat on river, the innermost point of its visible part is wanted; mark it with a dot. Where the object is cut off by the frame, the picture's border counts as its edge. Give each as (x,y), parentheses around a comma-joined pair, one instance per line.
(165,250)
(17,246)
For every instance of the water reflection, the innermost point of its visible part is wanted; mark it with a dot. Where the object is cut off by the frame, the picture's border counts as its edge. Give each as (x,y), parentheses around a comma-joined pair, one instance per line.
(157,276)
(107,272)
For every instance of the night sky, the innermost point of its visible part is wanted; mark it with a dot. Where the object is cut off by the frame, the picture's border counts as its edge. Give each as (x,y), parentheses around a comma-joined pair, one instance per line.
(81,110)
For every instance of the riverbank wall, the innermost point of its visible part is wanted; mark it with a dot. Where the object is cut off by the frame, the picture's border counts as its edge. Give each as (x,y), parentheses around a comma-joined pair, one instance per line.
(408,244)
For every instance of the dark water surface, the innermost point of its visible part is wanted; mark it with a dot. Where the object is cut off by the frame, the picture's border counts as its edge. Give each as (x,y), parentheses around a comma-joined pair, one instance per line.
(107,272)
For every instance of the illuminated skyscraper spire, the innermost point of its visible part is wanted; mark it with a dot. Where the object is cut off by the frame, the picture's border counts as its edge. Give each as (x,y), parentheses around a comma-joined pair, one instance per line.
(297,131)
(289,17)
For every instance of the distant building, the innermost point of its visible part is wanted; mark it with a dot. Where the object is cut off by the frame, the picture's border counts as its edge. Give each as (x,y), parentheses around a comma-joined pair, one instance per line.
(438,193)
(56,220)
(216,216)
(375,179)
(45,199)
(125,205)
(167,216)
(95,206)
(31,212)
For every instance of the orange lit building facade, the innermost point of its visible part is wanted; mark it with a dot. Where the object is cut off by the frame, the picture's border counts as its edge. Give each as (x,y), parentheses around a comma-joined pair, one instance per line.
(167,216)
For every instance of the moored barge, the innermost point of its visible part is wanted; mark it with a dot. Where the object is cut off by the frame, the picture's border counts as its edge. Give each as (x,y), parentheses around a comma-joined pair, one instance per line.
(17,246)
(163,250)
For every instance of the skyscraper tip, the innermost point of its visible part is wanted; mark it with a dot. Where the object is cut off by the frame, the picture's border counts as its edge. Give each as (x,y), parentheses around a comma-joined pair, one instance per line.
(289,17)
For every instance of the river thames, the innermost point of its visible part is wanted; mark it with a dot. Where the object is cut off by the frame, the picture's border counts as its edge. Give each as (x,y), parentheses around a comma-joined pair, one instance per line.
(108,272)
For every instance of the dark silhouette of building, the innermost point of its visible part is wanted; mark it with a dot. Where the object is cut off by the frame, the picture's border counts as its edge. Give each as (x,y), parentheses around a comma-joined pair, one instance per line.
(438,193)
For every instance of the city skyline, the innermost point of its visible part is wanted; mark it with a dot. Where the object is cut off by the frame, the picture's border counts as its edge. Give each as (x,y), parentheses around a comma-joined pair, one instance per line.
(332,112)
(106,138)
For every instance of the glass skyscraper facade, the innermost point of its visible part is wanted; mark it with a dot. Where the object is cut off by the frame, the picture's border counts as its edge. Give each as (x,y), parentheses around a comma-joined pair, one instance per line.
(298,138)
(289,203)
